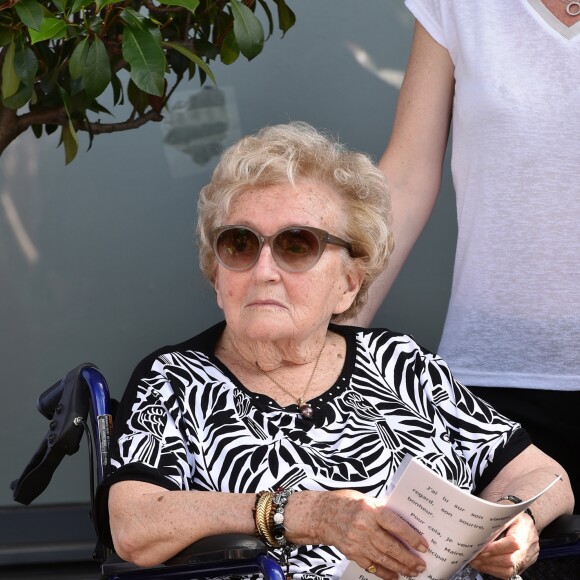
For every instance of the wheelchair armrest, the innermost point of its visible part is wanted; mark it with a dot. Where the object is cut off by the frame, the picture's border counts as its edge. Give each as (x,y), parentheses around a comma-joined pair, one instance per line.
(563,530)
(219,548)
(214,555)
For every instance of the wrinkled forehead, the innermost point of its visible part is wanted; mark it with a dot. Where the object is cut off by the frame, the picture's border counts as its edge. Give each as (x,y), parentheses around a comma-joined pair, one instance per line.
(306,202)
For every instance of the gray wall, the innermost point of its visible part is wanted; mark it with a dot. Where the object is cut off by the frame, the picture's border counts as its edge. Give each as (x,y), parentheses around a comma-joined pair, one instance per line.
(97,259)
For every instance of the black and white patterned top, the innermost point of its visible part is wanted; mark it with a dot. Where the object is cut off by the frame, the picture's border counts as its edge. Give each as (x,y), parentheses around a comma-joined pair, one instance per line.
(186,423)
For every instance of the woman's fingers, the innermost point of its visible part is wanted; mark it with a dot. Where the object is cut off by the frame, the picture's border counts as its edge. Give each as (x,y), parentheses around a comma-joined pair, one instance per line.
(366,531)
(380,571)
(516,550)
(399,528)
(391,542)
(383,561)
(383,551)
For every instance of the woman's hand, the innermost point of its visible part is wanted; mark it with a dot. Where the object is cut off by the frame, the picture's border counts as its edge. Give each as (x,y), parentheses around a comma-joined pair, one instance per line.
(512,552)
(369,533)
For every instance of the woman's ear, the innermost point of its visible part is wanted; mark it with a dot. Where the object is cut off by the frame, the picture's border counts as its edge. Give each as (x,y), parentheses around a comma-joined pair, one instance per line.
(354,277)
(216,287)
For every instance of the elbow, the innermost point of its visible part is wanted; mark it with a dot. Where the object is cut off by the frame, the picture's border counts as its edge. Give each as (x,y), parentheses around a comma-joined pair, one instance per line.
(132,548)
(564,498)
(568,499)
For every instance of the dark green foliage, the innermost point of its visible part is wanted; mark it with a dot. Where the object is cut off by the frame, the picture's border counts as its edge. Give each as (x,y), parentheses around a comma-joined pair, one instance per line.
(59,56)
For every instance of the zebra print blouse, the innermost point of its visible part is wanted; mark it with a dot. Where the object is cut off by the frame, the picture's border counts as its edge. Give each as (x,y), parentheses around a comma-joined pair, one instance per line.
(186,422)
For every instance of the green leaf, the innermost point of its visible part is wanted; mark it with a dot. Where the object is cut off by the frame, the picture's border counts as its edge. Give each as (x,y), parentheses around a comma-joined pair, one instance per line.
(23,95)
(30,12)
(50,29)
(26,65)
(191,5)
(78,59)
(230,51)
(10,80)
(96,107)
(76,86)
(146,59)
(138,98)
(117,90)
(248,30)
(89,132)
(69,139)
(286,18)
(97,72)
(103,3)
(68,135)
(6,35)
(192,57)
(61,5)
(133,19)
(78,5)
(206,49)
(64,96)
(268,12)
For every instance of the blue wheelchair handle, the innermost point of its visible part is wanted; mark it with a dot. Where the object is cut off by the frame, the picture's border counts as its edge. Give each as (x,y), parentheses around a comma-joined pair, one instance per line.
(49,400)
(66,405)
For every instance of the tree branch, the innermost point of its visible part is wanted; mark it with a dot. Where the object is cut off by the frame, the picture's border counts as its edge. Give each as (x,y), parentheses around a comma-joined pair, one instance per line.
(8,4)
(12,125)
(99,128)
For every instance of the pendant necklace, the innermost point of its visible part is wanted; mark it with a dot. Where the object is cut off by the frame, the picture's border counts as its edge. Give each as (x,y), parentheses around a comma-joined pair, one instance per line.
(305,408)
(572,7)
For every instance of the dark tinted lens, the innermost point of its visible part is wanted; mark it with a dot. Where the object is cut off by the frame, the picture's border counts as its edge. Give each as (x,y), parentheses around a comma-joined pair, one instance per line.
(297,249)
(238,248)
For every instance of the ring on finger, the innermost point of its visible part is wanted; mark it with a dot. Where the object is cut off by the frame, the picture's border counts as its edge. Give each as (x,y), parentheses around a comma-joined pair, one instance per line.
(372,569)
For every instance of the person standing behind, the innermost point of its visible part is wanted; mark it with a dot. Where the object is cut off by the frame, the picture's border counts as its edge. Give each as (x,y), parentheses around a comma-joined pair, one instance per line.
(504,75)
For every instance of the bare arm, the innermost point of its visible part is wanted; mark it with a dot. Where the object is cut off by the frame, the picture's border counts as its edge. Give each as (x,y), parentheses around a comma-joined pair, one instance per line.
(525,476)
(150,524)
(413,159)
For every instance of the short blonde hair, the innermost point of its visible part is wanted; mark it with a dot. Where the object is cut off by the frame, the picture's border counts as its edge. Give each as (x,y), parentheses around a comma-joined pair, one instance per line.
(284,154)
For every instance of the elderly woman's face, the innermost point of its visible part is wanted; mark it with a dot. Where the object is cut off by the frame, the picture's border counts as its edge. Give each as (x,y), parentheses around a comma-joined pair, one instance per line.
(266,302)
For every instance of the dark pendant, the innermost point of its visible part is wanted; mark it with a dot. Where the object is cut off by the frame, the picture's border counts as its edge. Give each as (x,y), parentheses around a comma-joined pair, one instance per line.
(305,409)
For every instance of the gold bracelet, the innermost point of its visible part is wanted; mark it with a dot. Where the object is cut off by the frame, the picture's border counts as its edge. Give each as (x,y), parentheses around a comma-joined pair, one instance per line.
(255,511)
(262,518)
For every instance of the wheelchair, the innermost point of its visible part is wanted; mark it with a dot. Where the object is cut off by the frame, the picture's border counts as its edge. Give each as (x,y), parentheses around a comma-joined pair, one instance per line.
(83,393)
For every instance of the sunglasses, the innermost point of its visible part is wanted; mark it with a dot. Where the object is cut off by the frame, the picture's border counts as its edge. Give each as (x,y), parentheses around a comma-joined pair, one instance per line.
(295,248)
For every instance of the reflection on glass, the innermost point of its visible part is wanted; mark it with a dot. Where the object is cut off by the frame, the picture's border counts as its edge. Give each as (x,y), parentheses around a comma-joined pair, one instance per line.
(200,124)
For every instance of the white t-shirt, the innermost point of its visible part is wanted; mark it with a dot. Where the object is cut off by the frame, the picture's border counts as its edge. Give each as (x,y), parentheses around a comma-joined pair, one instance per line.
(514,314)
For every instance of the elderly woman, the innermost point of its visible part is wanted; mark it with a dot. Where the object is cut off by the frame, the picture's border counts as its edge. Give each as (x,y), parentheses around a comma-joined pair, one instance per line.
(278,402)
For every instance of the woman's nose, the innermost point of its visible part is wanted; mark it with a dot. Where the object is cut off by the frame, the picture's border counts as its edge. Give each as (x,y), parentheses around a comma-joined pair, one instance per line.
(266,267)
